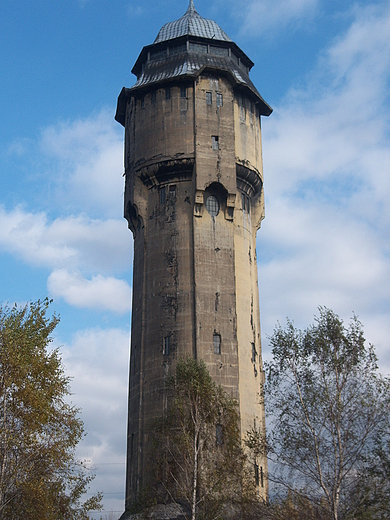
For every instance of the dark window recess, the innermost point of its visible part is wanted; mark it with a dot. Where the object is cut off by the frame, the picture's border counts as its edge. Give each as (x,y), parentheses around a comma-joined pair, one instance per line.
(254,353)
(166,345)
(219,51)
(178,49)
(142,102)
(183,92)
(219,100)
(261,476)
(158,55)
(217,343)
(172,190)
(257,474)
(235,58)
(153,97)
(162,195)
(198,47)
(218,434)
(167,93)
(245,202)
(215,142)
(209,98)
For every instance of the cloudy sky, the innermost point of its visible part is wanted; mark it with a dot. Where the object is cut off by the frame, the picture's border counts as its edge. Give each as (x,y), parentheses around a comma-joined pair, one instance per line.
(324,67)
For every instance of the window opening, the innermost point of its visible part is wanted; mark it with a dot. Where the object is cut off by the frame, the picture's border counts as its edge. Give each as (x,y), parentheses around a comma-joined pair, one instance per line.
(212,205)
(242,113)
(215,142)
(257,475)
(209,98)
(219,100)
(162,195)
(142,102)
(261,476)
(254,353)
(172,190)
(183,92)
(167,93)
(166,346)
(153,97)
(217,343)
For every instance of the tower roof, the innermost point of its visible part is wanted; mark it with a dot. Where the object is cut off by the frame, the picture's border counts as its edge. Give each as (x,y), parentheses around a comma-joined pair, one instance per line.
(191,24)
(183,50)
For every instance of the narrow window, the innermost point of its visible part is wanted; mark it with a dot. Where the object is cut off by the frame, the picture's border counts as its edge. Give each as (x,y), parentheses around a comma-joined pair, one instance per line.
(218,434)
(257,475)
(215,142)
(162,195)
(153,97)
(254,353)
(217,343)
(167,93)
(142,102)
(209,98)
(261,476)
(219,100)
(172,190)
(166,346)
(243,201)
(183,92)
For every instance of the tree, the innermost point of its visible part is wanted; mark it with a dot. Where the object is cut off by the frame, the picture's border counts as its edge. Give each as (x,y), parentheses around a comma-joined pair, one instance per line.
(329,417)
(200,461)
(39,431)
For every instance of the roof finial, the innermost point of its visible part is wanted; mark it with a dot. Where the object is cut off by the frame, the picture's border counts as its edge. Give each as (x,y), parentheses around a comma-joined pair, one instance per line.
(191,8)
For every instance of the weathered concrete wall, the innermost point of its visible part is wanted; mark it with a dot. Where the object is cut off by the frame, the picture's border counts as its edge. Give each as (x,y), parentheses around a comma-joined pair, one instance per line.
(195,274)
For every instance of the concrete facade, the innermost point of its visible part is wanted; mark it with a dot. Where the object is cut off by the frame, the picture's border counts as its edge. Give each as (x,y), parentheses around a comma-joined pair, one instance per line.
(194,202)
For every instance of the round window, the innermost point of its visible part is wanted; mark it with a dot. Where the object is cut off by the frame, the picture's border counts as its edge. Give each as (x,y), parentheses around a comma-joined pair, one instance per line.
(212,205)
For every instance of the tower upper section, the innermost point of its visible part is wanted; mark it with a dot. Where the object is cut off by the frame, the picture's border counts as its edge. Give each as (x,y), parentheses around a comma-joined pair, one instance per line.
(183,50)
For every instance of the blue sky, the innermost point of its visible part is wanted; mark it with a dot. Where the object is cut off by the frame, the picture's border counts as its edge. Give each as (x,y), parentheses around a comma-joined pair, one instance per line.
(323,66)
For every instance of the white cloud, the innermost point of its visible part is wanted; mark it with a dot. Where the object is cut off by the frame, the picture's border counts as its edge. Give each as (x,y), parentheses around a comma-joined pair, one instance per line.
(267,16)
(325,240)
(98,293)
(85,160)
(97,361)
(71,242)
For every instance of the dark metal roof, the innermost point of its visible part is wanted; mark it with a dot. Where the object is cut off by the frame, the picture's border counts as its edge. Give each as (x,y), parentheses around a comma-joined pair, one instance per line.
(175,56)
(188,66)
(191,24)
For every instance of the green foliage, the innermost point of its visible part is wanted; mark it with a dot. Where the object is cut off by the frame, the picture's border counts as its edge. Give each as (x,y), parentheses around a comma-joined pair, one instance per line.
(329,412)
(199,460)
(39,477)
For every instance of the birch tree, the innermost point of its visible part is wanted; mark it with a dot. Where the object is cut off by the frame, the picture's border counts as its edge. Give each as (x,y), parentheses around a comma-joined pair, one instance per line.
(200,460)
(327,407)
(39,476)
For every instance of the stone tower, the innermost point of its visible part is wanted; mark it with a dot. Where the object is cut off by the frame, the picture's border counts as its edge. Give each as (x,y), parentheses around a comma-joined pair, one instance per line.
(194,202)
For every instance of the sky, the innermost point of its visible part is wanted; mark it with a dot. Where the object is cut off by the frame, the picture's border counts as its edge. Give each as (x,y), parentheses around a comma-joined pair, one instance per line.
(324,67)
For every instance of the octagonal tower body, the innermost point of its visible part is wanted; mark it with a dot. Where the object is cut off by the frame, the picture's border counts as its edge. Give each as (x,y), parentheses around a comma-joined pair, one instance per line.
(194,202)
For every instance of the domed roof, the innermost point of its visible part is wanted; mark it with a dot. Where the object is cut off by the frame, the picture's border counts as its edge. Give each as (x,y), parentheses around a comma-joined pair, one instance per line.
(192,24)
